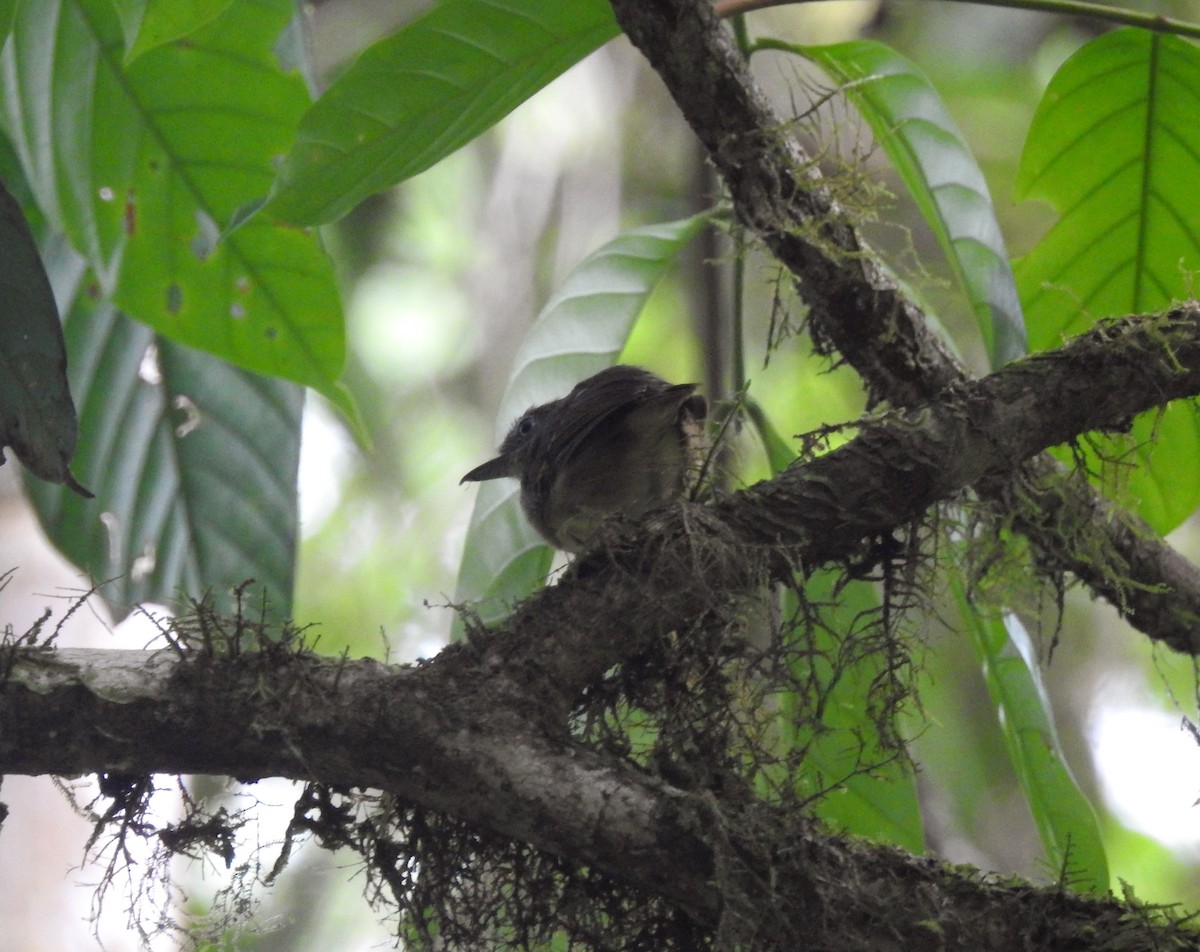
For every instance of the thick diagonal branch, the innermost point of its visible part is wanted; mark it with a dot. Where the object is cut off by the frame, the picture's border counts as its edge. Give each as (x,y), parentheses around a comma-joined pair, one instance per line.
(858,310)
(826,509)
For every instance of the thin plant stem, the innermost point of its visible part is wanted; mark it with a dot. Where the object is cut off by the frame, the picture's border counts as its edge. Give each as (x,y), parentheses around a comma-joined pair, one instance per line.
(1079,8)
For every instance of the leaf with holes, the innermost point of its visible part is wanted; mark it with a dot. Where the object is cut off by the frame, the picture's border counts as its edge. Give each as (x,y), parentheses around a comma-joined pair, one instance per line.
(143,165)
(193,463)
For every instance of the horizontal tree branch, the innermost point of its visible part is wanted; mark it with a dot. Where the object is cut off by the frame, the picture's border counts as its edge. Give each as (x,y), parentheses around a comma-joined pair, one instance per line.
(857,309)
(612,603)
(480,732)
(448,736)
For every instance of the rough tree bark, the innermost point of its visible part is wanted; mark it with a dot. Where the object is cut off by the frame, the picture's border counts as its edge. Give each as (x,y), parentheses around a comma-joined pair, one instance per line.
(857,310)
(481,731)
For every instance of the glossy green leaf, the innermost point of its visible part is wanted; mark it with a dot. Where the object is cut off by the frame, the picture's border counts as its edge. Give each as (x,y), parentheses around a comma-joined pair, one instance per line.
(150,23)
(579,332)
(932,158)
(37,417)
(421,93)
(193,463)
(143,165)
(1065,821)
(1115,149)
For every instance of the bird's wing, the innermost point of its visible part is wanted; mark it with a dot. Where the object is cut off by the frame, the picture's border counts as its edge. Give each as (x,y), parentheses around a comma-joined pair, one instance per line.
(606,399)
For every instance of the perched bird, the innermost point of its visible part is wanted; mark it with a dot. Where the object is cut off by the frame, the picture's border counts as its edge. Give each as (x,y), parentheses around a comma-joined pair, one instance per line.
(622,442)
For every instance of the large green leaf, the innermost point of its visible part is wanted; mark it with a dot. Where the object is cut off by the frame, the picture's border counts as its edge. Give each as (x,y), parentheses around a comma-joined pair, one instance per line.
(416,96)
(1115,148)
(142,165)
(37,417)
(150,23)
(193,463)
(935,163)
(580,331)
(1066,824)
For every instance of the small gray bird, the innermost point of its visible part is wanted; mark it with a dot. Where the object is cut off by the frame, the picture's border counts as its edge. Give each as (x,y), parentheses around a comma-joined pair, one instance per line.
(622,442)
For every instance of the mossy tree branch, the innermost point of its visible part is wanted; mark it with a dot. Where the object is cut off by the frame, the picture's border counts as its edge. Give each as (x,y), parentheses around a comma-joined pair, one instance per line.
(430,736)
(481,732)
(857,310)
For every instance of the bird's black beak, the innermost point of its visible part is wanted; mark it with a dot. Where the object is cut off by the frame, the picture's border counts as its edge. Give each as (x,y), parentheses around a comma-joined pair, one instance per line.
(492,469)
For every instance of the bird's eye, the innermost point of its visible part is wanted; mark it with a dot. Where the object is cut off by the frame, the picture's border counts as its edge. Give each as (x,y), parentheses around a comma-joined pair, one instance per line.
(525,426)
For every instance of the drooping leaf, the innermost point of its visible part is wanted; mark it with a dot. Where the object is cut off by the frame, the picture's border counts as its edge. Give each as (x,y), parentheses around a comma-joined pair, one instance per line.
(421,93)
(932,158)
(1065,821)
(37,417)
(193,463)
(1115,149)
(579,332)
(143,165)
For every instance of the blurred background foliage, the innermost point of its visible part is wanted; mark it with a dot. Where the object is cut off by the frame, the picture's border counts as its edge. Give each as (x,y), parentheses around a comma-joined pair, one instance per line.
(441,276)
